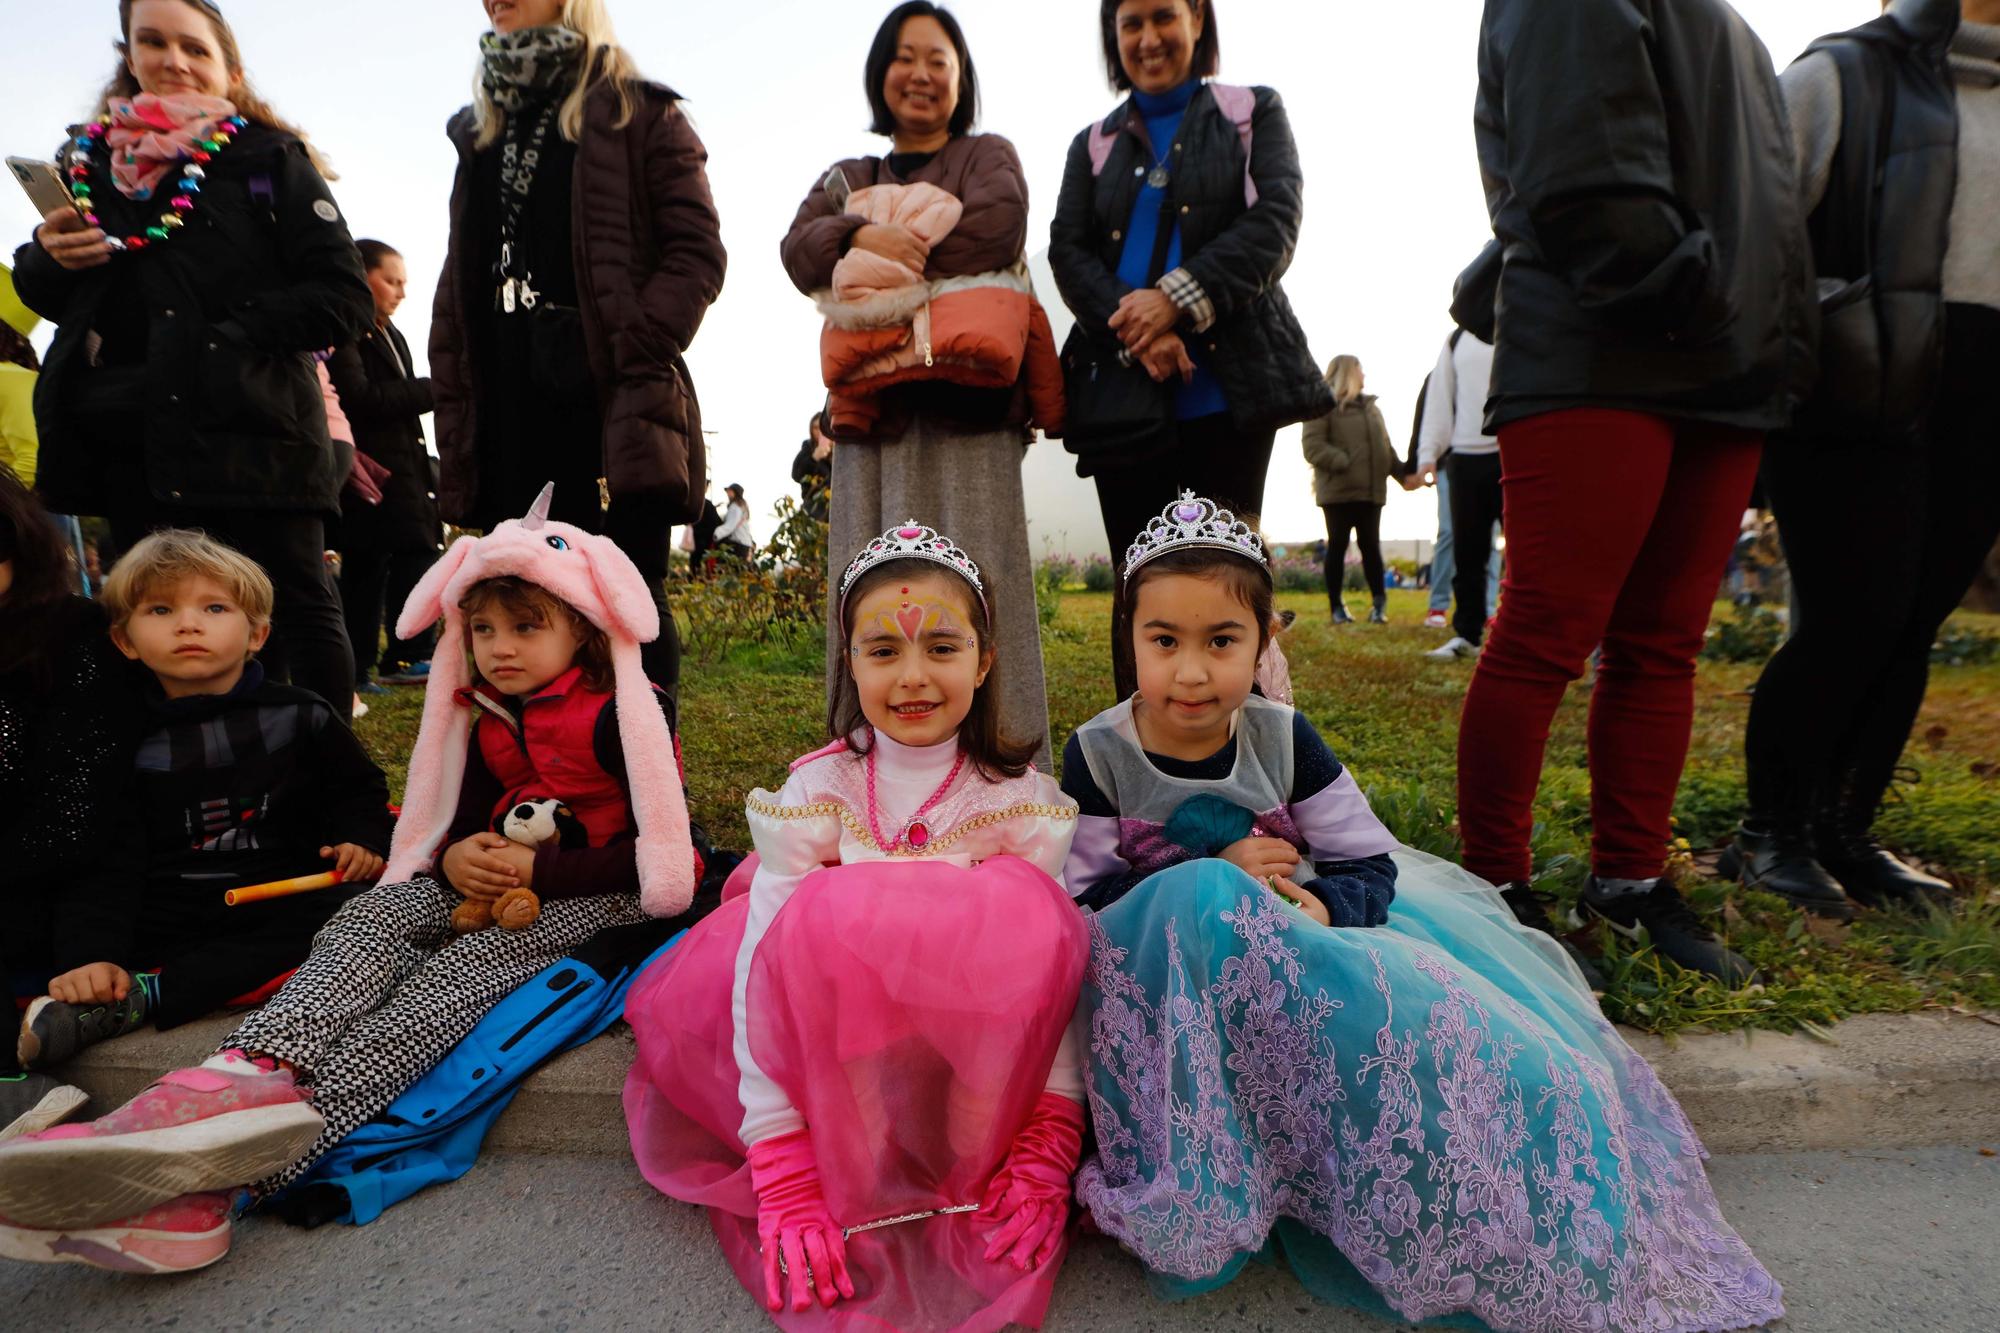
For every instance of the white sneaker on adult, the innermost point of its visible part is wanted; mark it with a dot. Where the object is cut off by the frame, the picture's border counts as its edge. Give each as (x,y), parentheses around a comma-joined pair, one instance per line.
(1454,648)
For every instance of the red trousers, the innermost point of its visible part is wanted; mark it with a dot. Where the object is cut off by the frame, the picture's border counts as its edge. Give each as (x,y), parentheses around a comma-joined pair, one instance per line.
(1619,527)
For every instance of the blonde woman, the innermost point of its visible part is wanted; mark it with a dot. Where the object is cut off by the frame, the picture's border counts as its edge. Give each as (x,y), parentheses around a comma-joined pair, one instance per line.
(205,264)
(1352,461)
(584,251)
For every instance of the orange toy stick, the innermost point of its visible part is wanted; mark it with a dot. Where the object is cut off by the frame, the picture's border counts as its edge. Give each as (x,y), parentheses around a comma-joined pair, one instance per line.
(281,888)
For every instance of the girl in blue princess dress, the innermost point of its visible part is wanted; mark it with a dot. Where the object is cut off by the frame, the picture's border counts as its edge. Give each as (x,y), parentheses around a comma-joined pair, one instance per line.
(1309,1041)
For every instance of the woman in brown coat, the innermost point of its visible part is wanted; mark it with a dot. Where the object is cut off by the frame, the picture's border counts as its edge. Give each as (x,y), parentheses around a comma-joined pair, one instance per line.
(944,454)
(1352,461)
(585,250)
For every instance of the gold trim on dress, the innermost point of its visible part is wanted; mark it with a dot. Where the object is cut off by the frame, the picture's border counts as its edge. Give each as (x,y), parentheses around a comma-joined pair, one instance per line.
(859,830)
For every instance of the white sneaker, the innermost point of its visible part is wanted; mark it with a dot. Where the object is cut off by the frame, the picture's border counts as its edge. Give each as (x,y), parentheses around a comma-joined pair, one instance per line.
(1453,649)
(1437,620)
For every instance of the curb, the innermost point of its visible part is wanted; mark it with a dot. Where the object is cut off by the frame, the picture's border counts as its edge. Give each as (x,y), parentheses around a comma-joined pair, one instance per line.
(1884,1080)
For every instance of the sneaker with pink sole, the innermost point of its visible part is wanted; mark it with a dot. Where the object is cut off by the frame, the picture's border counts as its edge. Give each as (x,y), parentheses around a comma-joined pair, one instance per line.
(215,1126)
(179,1236)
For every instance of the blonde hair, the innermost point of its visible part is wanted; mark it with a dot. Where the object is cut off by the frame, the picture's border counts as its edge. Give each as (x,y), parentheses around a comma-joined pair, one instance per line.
(174,555)
(1344,374)
(249,104)
(604,61)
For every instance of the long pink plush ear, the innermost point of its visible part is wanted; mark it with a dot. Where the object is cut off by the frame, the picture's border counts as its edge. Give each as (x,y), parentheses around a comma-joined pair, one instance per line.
(659,805)
(437,764)
(622,590)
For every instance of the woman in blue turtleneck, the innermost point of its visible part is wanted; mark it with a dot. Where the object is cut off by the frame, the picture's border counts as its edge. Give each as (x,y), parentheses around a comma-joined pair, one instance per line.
(1178,215)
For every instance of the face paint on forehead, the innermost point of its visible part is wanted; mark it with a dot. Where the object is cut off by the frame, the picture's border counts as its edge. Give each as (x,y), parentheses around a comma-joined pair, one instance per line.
(912,619)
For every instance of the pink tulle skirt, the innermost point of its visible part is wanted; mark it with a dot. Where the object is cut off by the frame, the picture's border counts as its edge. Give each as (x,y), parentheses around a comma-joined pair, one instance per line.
(911,1012)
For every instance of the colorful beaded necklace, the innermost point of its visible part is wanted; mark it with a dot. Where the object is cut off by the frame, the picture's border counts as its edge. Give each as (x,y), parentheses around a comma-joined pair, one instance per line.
(179,208)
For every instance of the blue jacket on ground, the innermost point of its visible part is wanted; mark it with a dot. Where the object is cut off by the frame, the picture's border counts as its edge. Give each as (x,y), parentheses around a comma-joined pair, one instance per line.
(433,1132)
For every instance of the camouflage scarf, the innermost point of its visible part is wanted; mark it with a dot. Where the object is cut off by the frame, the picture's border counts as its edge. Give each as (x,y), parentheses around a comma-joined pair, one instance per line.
(529,65)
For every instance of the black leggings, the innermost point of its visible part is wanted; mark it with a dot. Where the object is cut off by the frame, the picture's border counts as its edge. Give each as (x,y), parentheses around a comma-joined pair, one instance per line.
(1476,505)
(1364,520)
(1210,456)
(373,587)
(1835,706)
(308,644)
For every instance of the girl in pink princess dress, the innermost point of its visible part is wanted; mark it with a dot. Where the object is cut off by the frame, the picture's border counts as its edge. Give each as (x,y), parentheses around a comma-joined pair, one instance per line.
(862,1066)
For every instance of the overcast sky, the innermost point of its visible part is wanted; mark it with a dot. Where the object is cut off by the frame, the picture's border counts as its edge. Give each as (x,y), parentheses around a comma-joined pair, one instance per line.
(1380,97)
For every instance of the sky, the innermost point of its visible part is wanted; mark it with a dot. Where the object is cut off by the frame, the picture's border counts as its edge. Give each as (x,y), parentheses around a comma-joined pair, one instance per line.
(1380,98)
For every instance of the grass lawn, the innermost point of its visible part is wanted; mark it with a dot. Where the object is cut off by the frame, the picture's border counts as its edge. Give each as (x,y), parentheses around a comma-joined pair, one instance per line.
(1392,717)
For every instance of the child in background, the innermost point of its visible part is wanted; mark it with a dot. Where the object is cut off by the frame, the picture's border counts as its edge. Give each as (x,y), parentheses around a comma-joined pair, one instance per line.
(1308,1038)
(882,1046)
(70,715)
(236,781)
(560,708)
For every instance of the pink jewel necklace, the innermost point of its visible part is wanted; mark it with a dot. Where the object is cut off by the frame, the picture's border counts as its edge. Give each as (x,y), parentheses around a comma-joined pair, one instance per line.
(916,833)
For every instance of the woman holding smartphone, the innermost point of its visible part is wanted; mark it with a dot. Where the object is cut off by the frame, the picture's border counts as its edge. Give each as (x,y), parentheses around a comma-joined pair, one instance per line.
(201,263)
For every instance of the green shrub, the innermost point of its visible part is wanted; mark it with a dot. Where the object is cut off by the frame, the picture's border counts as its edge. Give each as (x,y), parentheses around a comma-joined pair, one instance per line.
(1752,636)
(1964,645)
(1098,574)
(777,599)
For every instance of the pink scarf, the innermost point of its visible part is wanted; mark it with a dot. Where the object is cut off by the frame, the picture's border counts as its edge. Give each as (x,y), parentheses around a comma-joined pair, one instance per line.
(150,135)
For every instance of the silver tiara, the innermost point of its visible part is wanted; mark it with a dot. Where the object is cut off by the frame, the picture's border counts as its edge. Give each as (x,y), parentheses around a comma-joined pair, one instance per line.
(1193,521)
(911,540)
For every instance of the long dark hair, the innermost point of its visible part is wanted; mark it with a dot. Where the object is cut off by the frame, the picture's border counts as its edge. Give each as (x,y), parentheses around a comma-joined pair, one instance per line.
(1207,47)
(883,52)
(44,578)
(993,753)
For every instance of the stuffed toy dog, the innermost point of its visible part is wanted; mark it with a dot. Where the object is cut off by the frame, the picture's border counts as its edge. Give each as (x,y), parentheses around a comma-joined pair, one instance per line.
(531,822)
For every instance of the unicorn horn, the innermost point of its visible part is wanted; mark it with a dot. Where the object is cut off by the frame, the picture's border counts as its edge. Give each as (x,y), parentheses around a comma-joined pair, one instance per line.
(538,512)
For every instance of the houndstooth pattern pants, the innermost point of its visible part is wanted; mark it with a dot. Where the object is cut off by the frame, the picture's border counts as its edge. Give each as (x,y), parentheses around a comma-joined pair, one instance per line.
(389,989)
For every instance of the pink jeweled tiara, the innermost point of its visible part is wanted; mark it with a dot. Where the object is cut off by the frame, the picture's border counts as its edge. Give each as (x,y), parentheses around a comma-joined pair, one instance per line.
(1193,521)
(911,540)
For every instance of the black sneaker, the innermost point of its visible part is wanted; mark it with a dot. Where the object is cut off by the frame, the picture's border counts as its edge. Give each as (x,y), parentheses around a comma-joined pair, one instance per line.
(1535,909)
(31,1103)
(1662,917)
(53,1032)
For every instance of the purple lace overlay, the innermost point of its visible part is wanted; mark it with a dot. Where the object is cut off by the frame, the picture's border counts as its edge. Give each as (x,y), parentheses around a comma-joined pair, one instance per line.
(1463,1153)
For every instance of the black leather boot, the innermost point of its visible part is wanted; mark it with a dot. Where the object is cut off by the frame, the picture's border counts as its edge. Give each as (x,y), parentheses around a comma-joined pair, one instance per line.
(1779,860)
(1844,839)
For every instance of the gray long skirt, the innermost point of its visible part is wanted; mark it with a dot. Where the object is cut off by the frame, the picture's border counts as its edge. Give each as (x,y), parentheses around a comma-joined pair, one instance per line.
(968,487)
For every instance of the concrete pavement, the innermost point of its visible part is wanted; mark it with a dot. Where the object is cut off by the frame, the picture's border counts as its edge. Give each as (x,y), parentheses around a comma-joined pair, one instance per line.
(1863,1241)
(1905,1079)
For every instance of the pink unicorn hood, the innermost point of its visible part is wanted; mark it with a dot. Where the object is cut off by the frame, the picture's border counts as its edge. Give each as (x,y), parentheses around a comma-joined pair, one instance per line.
(596,578)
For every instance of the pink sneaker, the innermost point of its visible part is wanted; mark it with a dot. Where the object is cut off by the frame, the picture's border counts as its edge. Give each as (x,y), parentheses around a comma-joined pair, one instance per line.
(179,1236)
(196,1129)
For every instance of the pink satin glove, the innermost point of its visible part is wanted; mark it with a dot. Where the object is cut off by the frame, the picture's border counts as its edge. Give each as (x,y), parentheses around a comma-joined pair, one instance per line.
(1027,1204)
(792,1222)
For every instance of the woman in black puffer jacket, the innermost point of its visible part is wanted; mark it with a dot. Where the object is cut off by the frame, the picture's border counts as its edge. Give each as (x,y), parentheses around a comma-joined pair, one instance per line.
(1178,215)
(180,390)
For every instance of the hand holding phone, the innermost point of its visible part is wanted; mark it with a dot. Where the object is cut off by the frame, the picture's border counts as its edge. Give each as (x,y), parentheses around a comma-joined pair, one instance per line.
(64,235)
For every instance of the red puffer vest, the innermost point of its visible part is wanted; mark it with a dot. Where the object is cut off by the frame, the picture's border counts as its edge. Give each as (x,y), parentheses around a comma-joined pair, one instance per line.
(549,752)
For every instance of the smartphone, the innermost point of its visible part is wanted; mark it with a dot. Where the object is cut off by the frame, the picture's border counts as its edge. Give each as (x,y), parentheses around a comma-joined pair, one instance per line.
(837,189)
(43,183)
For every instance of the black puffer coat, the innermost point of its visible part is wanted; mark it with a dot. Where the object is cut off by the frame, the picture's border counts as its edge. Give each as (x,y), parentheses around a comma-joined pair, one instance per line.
(1237,252)
(235,305)
(1639,175)
(1883,225)
(384,402)
(648,262)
